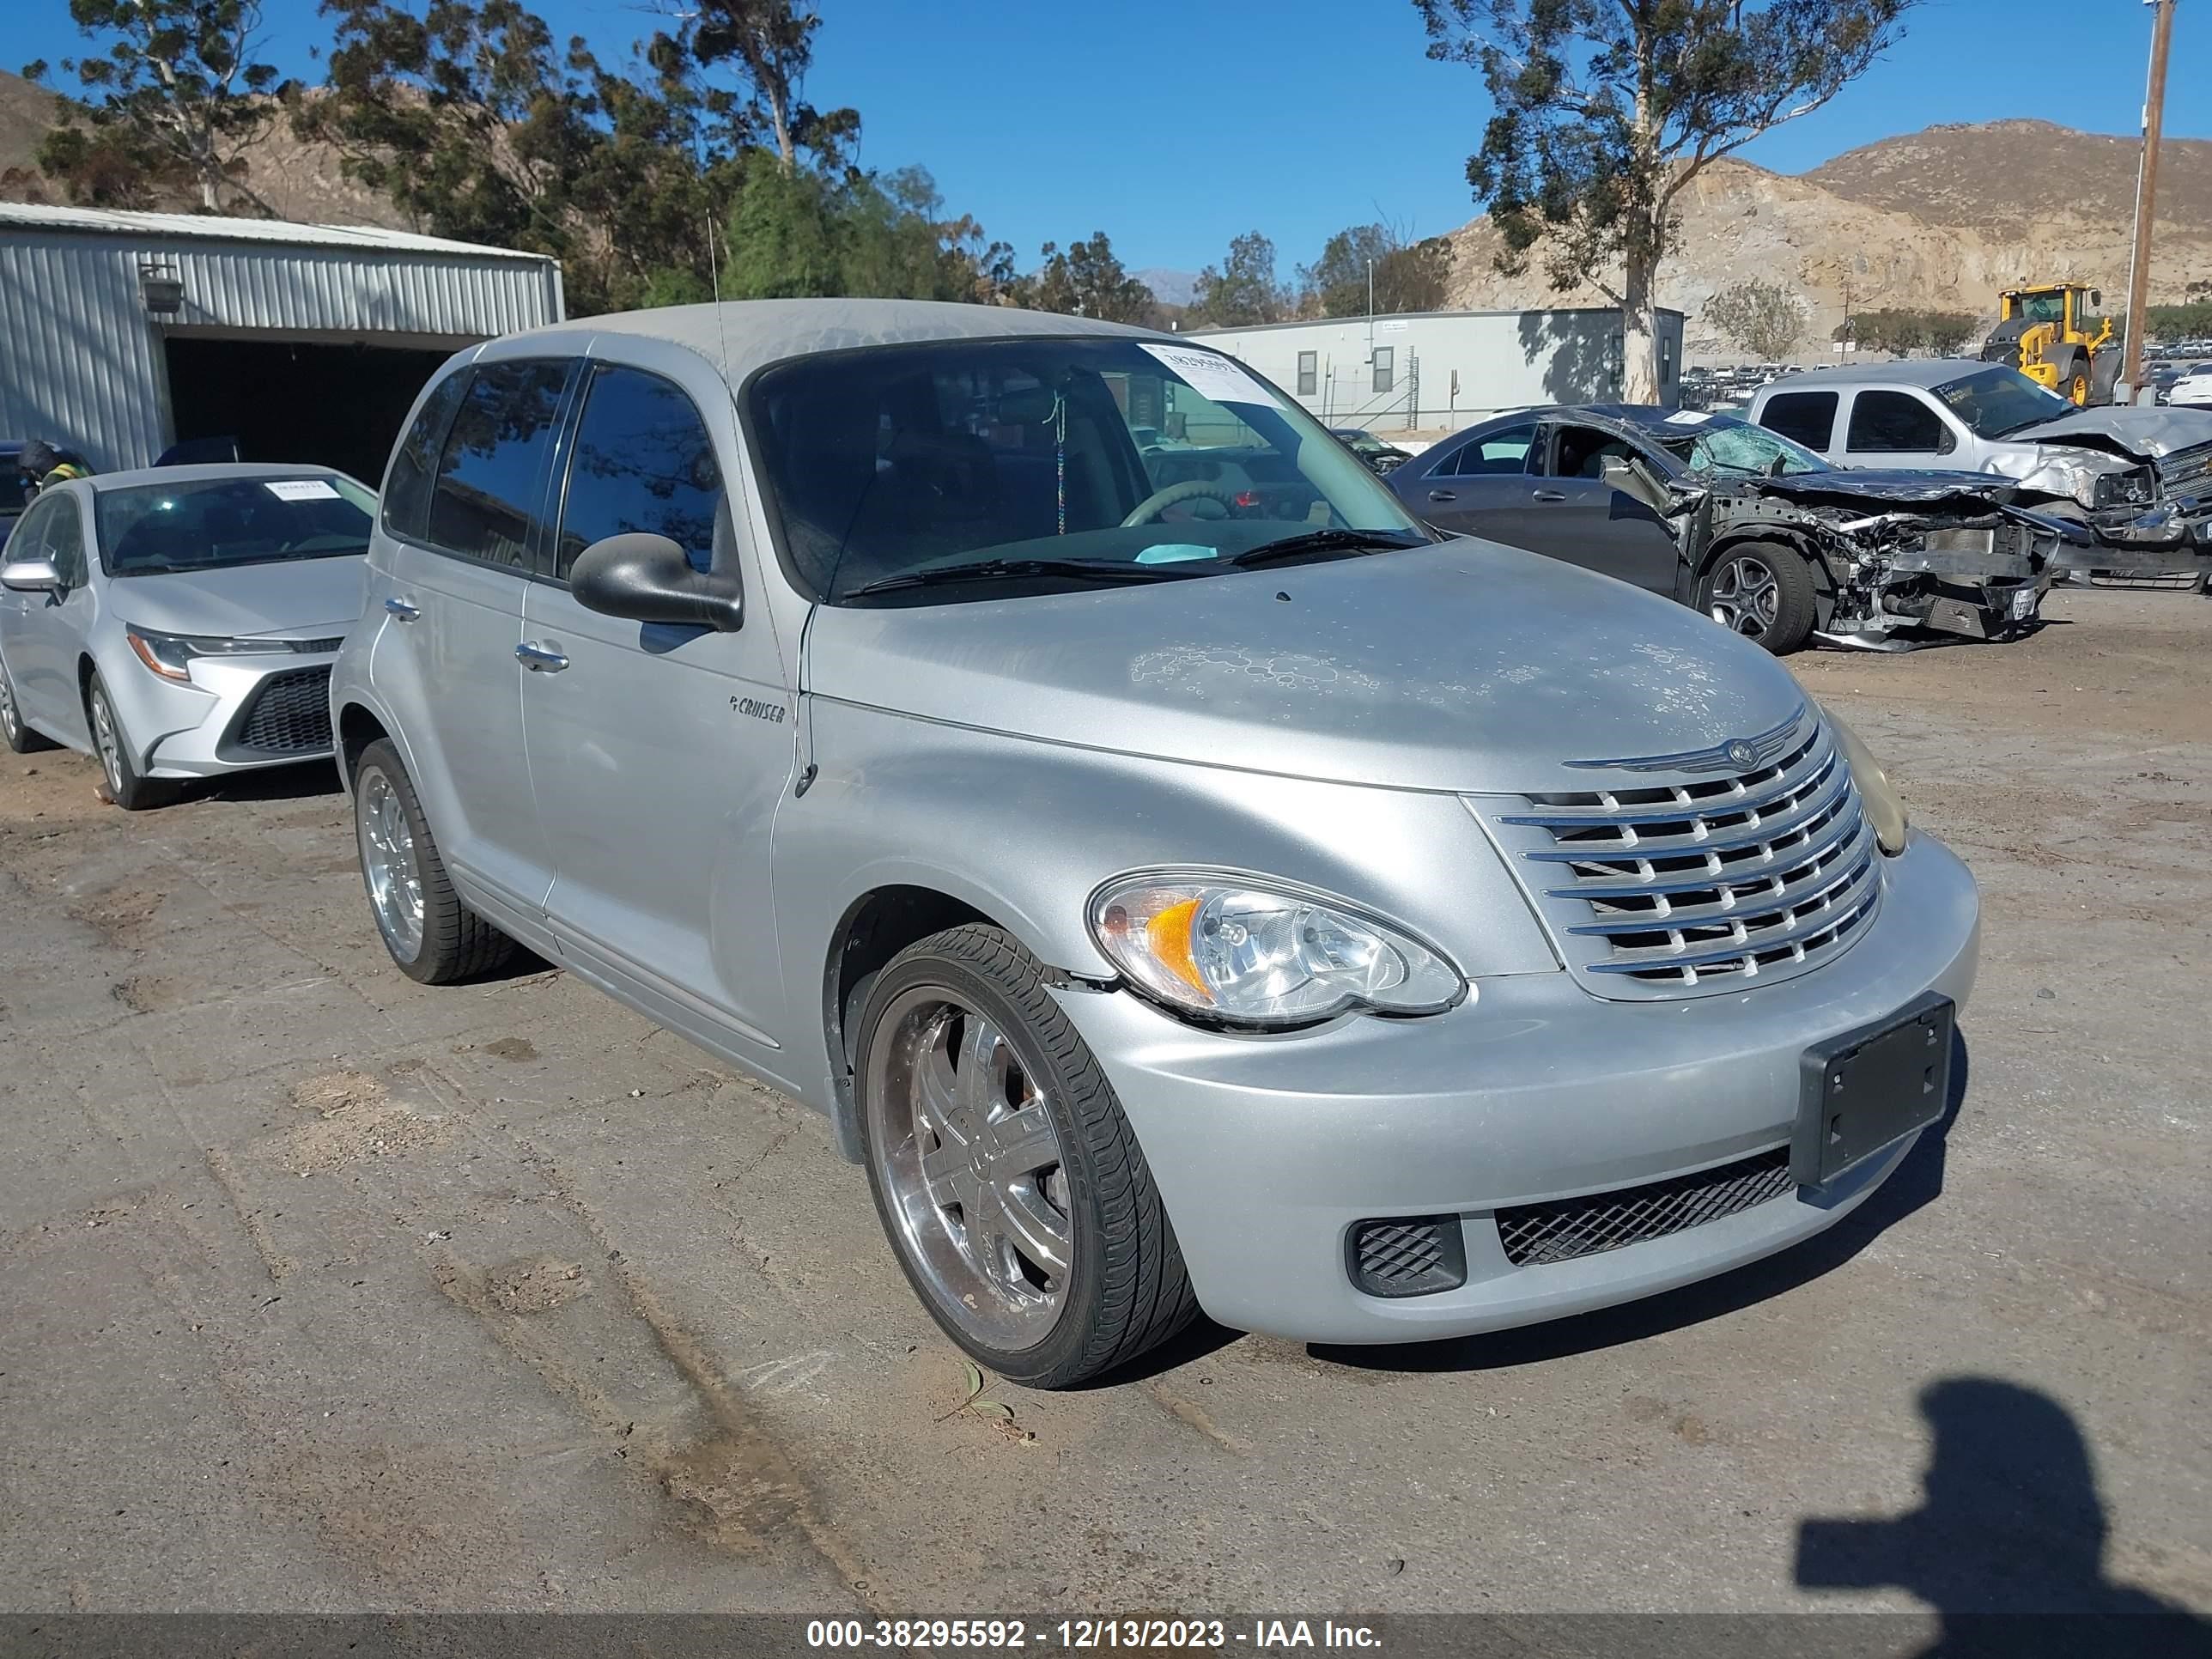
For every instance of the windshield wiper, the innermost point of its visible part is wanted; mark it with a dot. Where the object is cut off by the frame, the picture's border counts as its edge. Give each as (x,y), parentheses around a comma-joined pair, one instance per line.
(1325,541)
(994,569)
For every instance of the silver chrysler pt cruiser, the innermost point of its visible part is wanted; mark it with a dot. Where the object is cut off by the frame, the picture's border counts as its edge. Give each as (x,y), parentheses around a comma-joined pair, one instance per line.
(1184,881)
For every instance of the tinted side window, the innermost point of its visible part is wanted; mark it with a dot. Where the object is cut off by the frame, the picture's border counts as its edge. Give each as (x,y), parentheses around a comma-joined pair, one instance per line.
(1893,423)
(642,462)
(492,476)
(64,542)
(1805,417)
(415,463)
(1500,453)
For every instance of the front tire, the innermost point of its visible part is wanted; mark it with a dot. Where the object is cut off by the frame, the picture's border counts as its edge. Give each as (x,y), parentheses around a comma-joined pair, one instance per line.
(433,937)
(14,731)
(1763,590)
(1006,1176)
(112,747)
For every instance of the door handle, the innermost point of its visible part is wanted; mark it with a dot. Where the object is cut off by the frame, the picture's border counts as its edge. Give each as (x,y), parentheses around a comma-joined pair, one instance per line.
(401,608)
(1547,494)
(1442,496)
(539,660)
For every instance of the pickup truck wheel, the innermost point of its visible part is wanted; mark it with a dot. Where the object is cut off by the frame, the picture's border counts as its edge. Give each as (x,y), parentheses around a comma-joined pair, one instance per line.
(432,936)
(1763,590)
(19,737)
(1007,1177)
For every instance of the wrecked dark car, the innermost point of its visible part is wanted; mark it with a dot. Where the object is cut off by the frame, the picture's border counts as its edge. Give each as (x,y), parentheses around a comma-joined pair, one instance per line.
(1756,531)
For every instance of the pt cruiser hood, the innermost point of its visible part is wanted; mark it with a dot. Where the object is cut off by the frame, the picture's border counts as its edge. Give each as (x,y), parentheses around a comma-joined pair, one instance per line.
(1463,666)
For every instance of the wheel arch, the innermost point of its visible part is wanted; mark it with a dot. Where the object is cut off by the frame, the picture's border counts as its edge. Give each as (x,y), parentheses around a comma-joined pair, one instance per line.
(358,726)
(876,926)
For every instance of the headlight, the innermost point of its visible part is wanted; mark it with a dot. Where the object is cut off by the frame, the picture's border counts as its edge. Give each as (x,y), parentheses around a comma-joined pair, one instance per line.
(1877,796)
(2121,489)
(1253,953)
(170,655)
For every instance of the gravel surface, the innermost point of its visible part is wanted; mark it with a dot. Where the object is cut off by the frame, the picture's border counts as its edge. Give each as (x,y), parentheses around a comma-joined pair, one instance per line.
(322,1290)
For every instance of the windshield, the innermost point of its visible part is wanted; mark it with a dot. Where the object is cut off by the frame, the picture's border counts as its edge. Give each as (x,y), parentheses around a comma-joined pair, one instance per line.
(206,524)
(1721,446)
(894,461)
(1998,401)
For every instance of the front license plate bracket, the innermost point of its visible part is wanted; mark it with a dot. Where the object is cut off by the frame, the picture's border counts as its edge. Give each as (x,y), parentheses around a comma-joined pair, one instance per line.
(1867,1090)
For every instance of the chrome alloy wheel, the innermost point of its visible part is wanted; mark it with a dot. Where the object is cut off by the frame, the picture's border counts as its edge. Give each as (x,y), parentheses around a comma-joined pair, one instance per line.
(968,1155)
(388,864)
(108,742)
(11,719)
(1745,595)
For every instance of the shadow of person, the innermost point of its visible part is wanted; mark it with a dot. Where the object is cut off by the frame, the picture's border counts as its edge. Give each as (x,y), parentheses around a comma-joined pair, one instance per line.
(2008,1546)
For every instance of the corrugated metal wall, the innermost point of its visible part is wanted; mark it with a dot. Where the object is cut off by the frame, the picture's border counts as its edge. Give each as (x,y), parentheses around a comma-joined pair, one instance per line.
(81,362)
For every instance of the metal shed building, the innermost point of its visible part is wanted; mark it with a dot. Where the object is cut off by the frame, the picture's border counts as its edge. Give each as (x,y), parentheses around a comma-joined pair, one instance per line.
(121,334)
(1441,369)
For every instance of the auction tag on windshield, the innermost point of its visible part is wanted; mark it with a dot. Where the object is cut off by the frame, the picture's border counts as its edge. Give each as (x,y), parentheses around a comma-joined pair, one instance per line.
(1212,375)
(301,490)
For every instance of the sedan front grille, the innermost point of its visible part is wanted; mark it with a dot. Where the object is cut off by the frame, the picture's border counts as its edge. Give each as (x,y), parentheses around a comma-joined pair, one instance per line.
(289,715)
(1702,884)
(1533,1234)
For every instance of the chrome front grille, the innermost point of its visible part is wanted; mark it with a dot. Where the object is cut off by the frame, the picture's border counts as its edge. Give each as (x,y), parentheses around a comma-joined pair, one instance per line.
(1706,882)
(2186,474)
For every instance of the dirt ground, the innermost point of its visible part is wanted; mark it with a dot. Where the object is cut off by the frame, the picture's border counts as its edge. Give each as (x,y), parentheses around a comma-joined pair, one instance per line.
(321,1289)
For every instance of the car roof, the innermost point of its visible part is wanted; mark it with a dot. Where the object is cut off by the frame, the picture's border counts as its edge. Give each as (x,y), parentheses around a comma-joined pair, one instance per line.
(739,336)
(1909,371)
(212,469)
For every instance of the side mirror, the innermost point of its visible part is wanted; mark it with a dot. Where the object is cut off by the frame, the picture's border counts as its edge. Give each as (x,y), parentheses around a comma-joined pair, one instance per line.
(647,579)
(1629,479)
(31,576)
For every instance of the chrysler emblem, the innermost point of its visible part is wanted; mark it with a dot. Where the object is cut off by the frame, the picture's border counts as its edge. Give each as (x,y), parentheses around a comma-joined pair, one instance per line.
(1741,751)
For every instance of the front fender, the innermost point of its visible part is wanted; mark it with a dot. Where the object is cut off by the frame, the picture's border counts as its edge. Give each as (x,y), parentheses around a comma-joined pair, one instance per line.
(1023,831)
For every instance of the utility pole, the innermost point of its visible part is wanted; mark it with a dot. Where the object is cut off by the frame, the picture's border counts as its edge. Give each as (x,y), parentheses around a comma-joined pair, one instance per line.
(2154,120)
(1370,311)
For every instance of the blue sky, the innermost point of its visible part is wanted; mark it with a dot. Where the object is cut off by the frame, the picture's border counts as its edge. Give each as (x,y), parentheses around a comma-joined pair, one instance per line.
(1174,124)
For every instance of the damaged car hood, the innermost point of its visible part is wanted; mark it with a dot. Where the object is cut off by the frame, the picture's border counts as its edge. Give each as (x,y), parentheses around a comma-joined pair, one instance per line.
(1463,666)
(1930,489)
(2135,433)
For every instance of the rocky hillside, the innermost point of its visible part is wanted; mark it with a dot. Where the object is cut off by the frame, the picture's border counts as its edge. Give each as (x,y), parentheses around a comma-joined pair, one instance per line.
(301,181)
(1944,217)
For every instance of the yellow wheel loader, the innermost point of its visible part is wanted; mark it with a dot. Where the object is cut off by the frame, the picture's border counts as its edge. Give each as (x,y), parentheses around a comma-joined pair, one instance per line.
(2053,336)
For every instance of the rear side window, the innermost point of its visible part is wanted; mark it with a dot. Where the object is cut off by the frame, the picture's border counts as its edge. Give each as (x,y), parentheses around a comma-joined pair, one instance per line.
(1893,423)
(1500,453)
(642,462)
(1805,417)
(492,476)
(415,463)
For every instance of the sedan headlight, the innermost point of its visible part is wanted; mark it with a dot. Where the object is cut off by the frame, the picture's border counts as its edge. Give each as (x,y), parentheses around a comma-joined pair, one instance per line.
(1255,953)
(170,655)
(1877,796)
(2135,488)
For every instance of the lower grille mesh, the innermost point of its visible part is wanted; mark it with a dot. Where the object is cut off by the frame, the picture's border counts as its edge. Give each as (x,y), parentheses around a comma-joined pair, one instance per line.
(290,714)
(1408,1255)
(1534,1234)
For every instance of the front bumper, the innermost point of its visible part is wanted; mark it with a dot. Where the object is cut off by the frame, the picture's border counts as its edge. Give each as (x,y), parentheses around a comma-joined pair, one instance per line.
(2165,541)
(1268,1149)
(236,715)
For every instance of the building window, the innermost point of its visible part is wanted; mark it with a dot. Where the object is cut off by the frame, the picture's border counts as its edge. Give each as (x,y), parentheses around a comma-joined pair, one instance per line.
(1308,374)
(1382,368)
